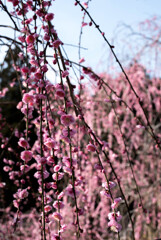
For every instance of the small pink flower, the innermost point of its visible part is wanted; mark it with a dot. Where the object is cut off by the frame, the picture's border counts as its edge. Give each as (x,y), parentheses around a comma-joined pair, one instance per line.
(69,191)
(139,126)
(24,70)
(67,119)
(50,159)
(15,3)
(65,132)
(26,155)
(111,185)
(67,161)
(37,175)
(115,215)
(56,237)
(51,122)
(84,24)
(116,202)
(23,194)
(57,168)
(67,170)
(28,98)
(63,228)
(34,62)
(60,93)
(81,60)
(6,168)
(115,226)
(21,38)
(16,203)
(30,39)
(49,16)
(2,184)
(58,204)
(61,195)
(105,193)
(58,176)
(50,143)
(91,148)
(65,139)
(47,208)
(44,68)
(23,143)
(38,75)
(57,216)
(57,43)
(42,160)
(98,166)
(65,74)
(85,4)
(54,185)
(46,37)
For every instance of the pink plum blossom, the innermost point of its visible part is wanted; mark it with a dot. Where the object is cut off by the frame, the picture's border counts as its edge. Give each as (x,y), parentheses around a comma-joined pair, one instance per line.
(67,119)
(24,70)
(47,208)
(91,148)
(60,93)
(30,39)
(28,98)
(58,204)
(116,202)
(58,176)
(65,74)
(38,75)
(81,60)
(57,216)
(23,143)
(57,43)
(57,168)
(26,156)
(50,143)
(49,16)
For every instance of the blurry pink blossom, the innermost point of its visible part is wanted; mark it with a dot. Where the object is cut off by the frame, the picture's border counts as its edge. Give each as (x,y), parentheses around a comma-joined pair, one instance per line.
(85,4)
(49,16)
(61,195)
(24,70)
(91,148)
(28,98)
(57,168)
(65,74)
(58,204)
(81,60)
(57,43)
(23,143)
(105,193)
(47,208)
(67,119)
(60,93)
(50,143)
(84,24)
(69,191)
(114,225)
(26,156)
(30,39)
(116,202)
(58,176)
(57,216)
(38,75)
(22,193)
